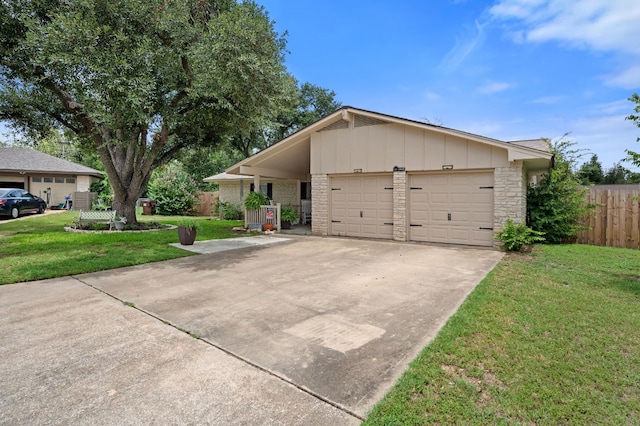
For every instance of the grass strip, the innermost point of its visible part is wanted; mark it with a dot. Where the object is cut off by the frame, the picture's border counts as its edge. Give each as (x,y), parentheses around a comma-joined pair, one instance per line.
(38,247)
(551,338)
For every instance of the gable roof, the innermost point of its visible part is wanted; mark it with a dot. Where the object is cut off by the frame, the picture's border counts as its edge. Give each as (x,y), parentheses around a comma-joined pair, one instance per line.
(18,159)
(293,151)
(539,144)
(226,176)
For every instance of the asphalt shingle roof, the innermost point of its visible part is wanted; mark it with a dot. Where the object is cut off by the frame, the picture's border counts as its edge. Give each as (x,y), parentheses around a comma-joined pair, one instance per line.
(18,159)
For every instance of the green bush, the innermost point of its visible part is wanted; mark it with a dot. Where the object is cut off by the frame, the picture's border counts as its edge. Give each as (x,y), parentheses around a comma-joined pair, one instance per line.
(514,236)
(103,191)
(288,214)
(556,205)
(173,190)
(230,211)
(254,200)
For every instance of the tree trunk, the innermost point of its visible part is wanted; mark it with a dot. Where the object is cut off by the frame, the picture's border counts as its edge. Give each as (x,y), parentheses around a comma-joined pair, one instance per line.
(129,163)
(126,208)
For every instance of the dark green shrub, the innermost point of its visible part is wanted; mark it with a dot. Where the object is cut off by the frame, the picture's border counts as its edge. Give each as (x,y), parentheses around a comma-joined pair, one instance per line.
(173,190)
(514,236)
(230,211)
(556,206)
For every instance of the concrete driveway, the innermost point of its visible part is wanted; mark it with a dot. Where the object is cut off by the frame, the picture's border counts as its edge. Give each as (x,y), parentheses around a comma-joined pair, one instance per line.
(307,331)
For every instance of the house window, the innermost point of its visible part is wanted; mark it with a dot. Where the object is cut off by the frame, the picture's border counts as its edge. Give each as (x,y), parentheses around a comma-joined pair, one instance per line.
(59,180)
(267,189)
(48,180)
(36,179)
(71,180)
(305,190)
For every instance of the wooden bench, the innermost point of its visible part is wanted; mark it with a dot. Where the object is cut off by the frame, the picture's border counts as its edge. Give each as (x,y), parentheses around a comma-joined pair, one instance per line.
(97,216)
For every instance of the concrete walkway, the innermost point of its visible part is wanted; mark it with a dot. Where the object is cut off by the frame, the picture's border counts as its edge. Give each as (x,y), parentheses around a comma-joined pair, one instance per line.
(216,246)
(305,331)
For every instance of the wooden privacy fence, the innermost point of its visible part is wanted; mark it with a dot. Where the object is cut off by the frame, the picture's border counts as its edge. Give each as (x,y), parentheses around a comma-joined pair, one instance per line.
(207,203)
(616,222)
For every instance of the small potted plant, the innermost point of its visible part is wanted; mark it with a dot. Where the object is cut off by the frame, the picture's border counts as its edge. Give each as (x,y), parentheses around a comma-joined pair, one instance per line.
(287,216)
(187,230)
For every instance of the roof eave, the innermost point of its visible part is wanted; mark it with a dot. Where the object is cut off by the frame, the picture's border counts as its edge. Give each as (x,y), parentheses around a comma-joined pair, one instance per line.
(515,152)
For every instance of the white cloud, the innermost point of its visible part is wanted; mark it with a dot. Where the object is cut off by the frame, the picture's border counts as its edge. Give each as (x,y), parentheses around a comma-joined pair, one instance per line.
(549,100)
(600,25)
(494,87)
(622,106)
(628,78)
(432,96)
(462,48)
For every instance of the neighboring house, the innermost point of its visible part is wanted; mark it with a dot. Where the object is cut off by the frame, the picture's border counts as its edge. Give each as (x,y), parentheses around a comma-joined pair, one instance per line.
(42,174)
(377,176)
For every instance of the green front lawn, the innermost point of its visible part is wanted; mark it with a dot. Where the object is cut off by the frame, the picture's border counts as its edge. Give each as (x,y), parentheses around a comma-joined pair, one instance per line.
(551,338)
(38,247)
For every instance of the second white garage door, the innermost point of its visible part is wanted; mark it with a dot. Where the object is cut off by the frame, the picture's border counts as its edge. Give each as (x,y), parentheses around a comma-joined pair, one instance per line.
(452,208)
(362,206)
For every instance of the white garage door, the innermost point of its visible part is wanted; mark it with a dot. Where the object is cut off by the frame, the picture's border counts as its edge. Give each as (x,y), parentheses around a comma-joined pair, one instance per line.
(452,208)
(362,206)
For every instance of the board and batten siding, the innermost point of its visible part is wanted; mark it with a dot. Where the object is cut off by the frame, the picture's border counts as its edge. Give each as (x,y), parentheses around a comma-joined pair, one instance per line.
(379,148)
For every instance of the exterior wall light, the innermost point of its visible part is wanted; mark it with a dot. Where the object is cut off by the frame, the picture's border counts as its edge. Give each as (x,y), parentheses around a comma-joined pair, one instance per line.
(447,167)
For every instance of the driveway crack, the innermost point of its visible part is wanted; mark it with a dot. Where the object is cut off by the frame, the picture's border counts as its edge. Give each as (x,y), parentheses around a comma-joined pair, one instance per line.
(227,351)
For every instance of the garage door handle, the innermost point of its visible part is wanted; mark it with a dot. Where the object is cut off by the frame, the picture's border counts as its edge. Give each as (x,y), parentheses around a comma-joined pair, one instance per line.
(486,229)
(415,187)
(414,225)
(388,223)
(486,187)
(389,187)
(336,221)
(336,189)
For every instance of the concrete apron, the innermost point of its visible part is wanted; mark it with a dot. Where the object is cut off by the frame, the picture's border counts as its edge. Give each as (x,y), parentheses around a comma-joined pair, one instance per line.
(311,331)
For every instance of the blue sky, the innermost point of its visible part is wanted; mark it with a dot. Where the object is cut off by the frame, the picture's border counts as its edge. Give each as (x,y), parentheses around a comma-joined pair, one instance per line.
(507,69)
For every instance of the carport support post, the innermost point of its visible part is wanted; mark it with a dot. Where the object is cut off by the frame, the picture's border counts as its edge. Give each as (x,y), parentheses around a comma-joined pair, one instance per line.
(256,183)
(400,205)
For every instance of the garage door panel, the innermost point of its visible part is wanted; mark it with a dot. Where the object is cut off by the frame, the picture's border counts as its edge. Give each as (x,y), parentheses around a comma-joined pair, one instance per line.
(466,197)
(368,203)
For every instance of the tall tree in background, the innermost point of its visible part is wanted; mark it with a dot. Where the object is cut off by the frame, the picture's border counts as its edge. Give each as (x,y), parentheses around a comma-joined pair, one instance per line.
(591,172)
(617,175)
(307,104)
(138,81)
(634,157)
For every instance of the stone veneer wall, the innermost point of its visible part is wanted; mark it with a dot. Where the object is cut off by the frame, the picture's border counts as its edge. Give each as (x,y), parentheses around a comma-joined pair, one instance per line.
(400,206)
(229,192)
(320,204)
(286,192)
(509,195)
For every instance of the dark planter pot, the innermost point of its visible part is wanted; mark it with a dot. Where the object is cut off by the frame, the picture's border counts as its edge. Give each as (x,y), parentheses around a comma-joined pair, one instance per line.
(285,224)
(186,235)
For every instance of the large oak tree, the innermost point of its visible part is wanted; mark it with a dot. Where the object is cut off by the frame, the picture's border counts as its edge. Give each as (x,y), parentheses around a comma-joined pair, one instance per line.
(139,80)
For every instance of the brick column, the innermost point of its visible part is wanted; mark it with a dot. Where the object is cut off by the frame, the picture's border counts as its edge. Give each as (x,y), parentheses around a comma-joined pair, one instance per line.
(509,195)
(320,204)
(400,206)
